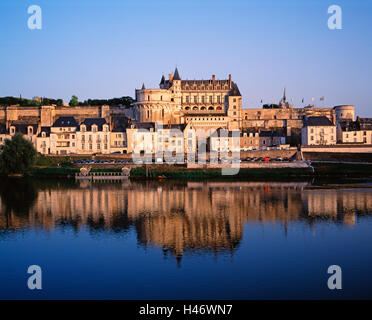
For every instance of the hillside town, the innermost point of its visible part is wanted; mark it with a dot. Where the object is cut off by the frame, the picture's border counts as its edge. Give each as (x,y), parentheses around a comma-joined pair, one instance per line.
(176,115)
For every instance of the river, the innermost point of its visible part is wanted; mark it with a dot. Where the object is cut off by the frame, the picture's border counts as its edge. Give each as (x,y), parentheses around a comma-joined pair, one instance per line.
(185,239)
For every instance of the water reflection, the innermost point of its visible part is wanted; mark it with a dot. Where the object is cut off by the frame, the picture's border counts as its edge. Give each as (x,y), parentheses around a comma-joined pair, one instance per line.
(179,217)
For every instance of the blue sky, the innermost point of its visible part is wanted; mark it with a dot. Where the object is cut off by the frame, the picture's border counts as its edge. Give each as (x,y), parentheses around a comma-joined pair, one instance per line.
(104,49)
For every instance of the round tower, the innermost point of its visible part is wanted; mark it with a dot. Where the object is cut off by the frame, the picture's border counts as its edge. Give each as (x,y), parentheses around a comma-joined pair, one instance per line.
(344,112)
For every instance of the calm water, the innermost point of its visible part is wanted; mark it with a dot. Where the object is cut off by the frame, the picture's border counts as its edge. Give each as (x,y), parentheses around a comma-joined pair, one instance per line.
(185,240)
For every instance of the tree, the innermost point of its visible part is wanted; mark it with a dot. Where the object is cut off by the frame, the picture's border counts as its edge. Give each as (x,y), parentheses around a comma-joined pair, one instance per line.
(74,101)
(17,155)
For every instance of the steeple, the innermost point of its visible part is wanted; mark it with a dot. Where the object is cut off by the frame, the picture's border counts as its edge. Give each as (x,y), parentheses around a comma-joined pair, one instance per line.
(176,75)
(284,96)
(143,86)
(162,81)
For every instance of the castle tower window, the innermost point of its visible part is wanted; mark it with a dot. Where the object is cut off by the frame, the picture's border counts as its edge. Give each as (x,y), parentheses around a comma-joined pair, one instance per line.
(162,113)
(210,99)
(148,98)
(195,99)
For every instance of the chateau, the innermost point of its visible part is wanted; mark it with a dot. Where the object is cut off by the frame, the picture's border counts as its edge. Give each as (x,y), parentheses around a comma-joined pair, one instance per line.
(207,104)
(188,105)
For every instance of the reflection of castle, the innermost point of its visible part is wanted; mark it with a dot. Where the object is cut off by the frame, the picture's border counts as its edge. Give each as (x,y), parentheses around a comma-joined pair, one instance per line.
(193,216)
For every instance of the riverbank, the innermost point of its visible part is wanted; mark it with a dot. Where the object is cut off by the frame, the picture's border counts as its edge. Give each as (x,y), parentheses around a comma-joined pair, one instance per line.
(165,171)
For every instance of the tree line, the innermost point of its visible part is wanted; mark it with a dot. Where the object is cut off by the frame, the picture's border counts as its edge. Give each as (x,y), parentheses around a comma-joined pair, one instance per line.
(14,101)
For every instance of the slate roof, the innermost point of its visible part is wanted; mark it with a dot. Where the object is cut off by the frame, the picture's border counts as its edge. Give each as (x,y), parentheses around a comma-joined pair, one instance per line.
(65,122)
(23,127)
(321,121)
(46,130)
(99,122)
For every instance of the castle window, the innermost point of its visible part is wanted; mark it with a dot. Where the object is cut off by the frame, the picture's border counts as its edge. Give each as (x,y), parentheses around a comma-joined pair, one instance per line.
(161,97)
(187,99)
(210,99)
(148,98)
(218,99)
(148,114)
(162,113)
(195,99)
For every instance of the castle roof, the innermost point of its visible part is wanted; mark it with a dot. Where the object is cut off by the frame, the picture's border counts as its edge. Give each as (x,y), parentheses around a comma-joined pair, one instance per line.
(234,92)
(176,75)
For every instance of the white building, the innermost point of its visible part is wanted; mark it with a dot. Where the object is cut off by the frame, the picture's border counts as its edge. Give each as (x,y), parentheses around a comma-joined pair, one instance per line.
(318,131)
(63,136)
(93,136)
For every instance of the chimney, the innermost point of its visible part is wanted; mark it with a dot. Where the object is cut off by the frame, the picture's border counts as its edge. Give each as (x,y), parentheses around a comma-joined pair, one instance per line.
(170,77)
(229,80)
(213,78)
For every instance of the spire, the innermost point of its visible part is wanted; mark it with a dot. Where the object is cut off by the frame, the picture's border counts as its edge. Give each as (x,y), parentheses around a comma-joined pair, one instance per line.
(284,96)
(176,75)
(143,86)
(162,81)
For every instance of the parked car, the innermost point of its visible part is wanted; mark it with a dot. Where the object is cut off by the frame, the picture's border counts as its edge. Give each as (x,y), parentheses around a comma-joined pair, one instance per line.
(285,159)
(292,159)
(278,159)
(266,159)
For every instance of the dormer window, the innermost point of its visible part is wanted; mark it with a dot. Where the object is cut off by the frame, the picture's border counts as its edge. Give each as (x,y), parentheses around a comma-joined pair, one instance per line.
(94,128)
(43,134)
(30,130)
(12,130)
(83,128)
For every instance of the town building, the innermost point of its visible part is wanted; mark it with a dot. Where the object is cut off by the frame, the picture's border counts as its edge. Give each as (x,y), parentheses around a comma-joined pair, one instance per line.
(355,132)
(318,131)
(93,136)
(63,137)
